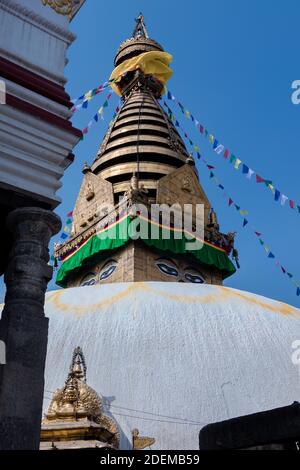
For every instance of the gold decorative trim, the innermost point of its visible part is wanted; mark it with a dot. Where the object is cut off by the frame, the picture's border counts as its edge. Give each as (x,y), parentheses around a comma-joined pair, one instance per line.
(64,7)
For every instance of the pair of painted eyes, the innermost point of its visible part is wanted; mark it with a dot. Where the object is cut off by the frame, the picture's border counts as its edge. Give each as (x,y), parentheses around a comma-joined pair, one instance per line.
(171,271)
(106,272)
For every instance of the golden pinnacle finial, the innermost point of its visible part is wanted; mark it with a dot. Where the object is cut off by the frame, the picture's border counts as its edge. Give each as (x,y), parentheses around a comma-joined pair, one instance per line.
(140,28)
(78,366)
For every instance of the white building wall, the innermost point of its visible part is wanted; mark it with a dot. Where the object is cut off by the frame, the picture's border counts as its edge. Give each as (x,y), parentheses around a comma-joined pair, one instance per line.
(40,37)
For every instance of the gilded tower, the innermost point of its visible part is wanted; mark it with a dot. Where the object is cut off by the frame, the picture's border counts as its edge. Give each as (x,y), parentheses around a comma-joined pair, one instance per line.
(142,160)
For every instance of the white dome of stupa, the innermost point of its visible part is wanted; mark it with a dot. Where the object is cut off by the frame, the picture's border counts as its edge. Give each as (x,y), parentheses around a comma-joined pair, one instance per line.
(170,358)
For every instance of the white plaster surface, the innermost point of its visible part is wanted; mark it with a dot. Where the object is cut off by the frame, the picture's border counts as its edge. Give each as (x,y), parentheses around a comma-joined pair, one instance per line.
(163,353)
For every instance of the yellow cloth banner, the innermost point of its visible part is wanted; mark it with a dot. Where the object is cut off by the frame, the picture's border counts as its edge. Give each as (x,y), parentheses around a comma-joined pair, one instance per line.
(150,63)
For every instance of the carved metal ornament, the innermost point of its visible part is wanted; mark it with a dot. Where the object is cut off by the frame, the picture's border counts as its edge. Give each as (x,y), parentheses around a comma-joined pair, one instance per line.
(140,443)
(63,7)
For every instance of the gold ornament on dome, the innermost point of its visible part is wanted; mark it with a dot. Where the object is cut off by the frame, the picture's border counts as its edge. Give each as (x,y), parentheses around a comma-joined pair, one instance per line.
(140,443)
(63,7)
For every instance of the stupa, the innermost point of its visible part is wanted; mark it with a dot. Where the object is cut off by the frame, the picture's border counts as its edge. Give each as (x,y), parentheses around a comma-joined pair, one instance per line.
(169,348)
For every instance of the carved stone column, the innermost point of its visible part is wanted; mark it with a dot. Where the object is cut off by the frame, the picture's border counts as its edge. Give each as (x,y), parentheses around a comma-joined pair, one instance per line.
(24,328)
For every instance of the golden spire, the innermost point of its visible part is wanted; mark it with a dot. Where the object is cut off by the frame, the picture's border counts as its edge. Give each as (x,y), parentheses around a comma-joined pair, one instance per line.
(140,28)
(78,366)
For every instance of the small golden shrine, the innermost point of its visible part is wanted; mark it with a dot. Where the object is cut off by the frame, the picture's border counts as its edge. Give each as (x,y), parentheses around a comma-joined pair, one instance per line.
(75,418)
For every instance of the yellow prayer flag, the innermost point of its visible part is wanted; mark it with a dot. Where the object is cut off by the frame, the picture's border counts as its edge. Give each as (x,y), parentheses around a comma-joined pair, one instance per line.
(243,212)
(272,188)
(237,163)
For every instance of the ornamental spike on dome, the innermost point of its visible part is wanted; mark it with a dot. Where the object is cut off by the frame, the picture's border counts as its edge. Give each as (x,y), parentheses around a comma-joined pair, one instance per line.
(78,365)
(140,28)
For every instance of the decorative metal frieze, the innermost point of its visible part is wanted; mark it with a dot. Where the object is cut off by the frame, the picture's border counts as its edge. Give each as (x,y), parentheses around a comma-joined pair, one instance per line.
(64,7)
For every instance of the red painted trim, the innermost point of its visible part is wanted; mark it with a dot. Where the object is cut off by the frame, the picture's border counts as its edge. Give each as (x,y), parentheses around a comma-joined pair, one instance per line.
(41,113)
(34,82)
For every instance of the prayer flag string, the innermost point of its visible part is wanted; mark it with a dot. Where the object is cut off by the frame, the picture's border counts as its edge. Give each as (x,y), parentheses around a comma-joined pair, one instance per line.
(231,203)
(236,163)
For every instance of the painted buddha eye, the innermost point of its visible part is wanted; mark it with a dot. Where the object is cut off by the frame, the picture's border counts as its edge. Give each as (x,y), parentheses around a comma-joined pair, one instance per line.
(88,280)
(167,268)
(108,270)
(194,276)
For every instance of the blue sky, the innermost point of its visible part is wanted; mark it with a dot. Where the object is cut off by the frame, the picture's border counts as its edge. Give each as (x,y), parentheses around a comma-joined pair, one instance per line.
(234,62)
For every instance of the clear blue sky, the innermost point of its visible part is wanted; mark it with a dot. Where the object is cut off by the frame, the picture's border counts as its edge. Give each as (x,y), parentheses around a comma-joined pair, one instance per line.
(234,62)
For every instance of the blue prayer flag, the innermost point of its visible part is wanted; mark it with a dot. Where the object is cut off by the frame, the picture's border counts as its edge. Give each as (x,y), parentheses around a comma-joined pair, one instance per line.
(277,195)
(245,169)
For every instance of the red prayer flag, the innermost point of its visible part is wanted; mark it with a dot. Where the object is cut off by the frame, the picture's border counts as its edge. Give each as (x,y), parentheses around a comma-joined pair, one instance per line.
(259,179)
(70,214)
(258,234)
(201,129)
(230,201)
(226,153)
(292,204)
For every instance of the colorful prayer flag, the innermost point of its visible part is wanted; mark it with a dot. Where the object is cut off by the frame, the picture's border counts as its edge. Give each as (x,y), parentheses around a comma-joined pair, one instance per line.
(250,173)
(259,179)
(245,169)
(219,149)
(237,163)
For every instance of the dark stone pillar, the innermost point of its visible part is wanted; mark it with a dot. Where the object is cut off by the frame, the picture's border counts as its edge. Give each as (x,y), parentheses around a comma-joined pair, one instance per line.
(24,328)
